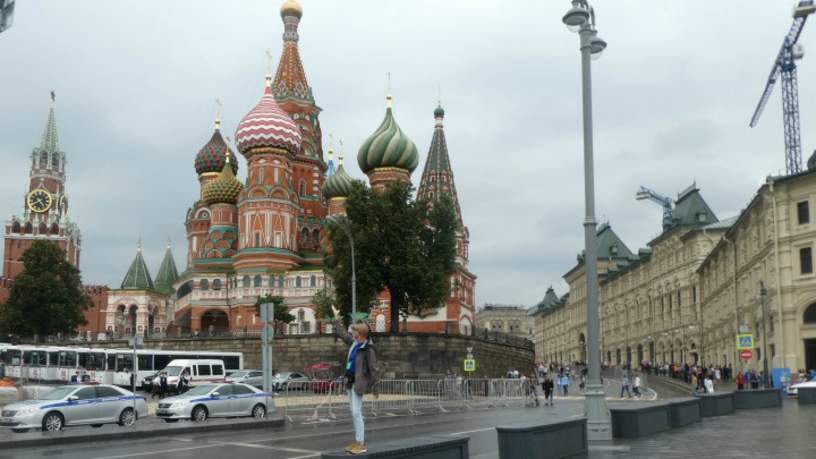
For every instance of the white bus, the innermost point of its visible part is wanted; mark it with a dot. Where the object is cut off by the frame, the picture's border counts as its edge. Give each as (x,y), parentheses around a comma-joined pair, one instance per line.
(108,366)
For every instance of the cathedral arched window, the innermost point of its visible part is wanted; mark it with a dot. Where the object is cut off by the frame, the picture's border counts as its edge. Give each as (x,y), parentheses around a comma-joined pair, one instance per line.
(42,229)
(15,227)
(256,282)
(302,188)
(56,162)
(316,236)
(54,228)
(216,284)
(280,281)
(246,281)
(810,314)
(43,159)
(313,281)
(204,284)
(297,282)
(304,237)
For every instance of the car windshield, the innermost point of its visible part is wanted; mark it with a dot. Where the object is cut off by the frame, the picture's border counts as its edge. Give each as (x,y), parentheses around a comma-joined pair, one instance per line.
(57,394)
(238,374)
(282,375)
(173,371)
(201,390)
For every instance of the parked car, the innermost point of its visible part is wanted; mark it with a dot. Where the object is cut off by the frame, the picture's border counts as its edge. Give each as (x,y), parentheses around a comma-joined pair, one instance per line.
(793,389)
(251,377)
(75,405)
(216,400)
(283,380)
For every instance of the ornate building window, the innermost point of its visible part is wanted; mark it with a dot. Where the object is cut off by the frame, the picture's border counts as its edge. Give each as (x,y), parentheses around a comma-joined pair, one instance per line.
(204,284)
(302,188)
(803,212)
(246,282)
(810,314)
(316,237)
(256,282)
(280,281)
(806,260)
(313,281)
(43,160)
(216,285)
(297,282)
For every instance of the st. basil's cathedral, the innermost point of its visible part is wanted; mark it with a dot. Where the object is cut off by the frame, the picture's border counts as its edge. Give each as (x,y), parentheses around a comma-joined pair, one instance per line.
(263,236)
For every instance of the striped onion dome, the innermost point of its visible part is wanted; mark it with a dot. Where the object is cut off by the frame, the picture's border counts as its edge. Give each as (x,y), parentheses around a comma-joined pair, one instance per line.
(224,189)
(338,185)
(388,146)
(291,8)
(267,125)
(212,156)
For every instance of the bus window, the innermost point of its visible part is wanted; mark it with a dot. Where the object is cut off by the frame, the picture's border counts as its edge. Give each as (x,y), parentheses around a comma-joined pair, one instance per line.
(15,356)
(53,359)
(67,359)
(124,361)
(83,359)
(161,360)
(145,362)
(98,360)
(26,357)
(92,361)
(218,370)
(38,358)
(203,370)
(231,362)
(111,362)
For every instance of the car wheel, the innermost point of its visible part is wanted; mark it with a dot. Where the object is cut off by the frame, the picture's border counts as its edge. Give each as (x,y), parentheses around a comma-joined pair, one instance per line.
(171,420)
(199,414)
(96,426)
(19,430)
(259,412)
(53,422)
(127,418)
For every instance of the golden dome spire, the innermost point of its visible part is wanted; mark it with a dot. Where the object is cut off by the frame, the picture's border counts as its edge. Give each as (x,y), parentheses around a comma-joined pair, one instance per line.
(291,8)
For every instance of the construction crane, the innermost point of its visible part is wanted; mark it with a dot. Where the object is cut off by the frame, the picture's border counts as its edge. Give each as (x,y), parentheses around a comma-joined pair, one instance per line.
(785,64)
(646,193)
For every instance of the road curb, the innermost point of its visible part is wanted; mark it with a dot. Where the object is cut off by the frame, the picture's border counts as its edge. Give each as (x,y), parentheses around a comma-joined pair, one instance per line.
(164,431)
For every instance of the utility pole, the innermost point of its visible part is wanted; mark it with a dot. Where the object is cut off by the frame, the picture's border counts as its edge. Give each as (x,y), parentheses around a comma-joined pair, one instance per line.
(763,301)
(267,337)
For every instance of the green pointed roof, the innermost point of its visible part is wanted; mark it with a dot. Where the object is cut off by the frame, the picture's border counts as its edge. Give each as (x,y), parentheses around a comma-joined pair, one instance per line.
(437,177)
(138,277)
(50,139)
(610,245)
(167,273)
(691,209)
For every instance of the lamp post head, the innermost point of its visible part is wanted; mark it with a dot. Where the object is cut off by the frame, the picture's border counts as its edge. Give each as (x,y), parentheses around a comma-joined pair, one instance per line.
(576,17)
(597,45)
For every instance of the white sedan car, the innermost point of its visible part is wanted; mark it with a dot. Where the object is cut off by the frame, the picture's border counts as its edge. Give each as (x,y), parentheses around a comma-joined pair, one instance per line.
(216,400)
(793,389)
(75,405)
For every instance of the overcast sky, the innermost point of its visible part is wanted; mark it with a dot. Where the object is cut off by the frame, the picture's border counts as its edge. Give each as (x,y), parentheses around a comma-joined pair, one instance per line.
(673,94)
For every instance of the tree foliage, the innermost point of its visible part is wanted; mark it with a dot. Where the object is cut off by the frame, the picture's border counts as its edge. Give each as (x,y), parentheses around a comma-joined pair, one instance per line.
(403,246)
(281,312)
(47,297)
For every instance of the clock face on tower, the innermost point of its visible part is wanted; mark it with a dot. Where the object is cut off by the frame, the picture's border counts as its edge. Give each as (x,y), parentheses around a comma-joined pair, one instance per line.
(39,200)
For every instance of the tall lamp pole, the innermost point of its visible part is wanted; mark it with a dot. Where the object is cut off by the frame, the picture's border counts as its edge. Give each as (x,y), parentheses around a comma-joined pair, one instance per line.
(763,301)
(581,18)
(343,224)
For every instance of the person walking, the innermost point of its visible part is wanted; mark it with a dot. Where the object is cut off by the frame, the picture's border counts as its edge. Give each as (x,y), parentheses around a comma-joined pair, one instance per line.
(361,375)
(709,385)
(740,381)
(564,380)
(625,386)
(549,388)
(636,387)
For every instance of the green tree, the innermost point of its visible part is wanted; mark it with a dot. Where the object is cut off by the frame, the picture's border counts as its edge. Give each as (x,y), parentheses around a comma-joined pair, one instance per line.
(47,297)
(324,300)
(404,246)
(281,312)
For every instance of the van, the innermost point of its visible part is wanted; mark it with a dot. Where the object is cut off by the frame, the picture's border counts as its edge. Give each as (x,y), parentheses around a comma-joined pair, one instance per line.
(199,371)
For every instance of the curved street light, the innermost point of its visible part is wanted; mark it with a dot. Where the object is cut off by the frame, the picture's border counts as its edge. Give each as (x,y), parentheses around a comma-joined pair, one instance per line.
(342,222)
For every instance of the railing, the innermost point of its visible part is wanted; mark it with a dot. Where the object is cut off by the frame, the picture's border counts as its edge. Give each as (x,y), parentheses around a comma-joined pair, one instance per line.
(327,401)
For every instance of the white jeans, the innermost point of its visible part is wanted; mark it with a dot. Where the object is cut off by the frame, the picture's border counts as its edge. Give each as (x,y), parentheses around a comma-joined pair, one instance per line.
(356,403)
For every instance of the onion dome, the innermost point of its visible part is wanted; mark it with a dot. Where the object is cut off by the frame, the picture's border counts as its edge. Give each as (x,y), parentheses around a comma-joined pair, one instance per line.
(212,156)
(439,112)
(267,126)
(388,146)
(291,8)
(224,189)
(338,185)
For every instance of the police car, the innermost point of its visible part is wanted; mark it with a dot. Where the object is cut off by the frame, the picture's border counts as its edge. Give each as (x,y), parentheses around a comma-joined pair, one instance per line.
(216,400)
(63,406)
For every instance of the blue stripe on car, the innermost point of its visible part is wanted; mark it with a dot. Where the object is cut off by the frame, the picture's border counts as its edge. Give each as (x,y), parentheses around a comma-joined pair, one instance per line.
(93,400)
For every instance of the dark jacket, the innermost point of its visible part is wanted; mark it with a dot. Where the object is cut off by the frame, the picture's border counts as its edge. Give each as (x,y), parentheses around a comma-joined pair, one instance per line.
(366,369)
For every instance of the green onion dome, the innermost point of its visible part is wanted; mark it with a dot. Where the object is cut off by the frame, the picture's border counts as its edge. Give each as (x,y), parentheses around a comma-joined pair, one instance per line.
(224,189)
(388,146)
(212,156)
(338,185)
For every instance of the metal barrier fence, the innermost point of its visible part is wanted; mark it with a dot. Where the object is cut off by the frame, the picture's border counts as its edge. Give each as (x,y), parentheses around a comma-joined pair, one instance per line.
(327,401)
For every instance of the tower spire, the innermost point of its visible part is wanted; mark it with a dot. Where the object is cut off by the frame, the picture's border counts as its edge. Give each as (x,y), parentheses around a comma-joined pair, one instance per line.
(290,78)
(437,177)
(218,109)
(50,140)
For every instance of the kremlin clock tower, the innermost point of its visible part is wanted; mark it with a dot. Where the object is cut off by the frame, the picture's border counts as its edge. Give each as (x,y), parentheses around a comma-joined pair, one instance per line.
(45,205)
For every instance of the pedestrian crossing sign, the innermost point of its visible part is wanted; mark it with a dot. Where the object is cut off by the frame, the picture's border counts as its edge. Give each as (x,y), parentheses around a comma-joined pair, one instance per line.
(745,341)
(470,365)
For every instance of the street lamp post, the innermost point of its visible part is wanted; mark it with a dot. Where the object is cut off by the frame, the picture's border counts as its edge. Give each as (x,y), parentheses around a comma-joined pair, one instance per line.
(581,18)
(343,224)
(763,301)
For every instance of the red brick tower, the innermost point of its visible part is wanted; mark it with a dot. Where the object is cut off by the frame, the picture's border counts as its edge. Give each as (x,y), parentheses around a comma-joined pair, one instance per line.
(45,206)
(294,96)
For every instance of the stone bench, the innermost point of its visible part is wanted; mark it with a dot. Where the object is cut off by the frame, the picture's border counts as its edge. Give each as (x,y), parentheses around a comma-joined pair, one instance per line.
(553,439)
(716,404)
(421,447)
(757,398)
(684,411)
(639,420)
(807,395)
